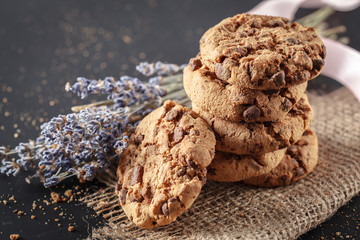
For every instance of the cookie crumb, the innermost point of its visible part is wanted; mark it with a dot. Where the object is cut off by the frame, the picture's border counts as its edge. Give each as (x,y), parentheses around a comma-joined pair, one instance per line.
(5,202)
(32,217)
(12,198)
(68,193)
(71,229)
(57,220)
(14,236)
(55,197)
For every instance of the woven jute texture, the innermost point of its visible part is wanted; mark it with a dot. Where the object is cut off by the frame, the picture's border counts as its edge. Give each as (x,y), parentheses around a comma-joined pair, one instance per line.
(234,210)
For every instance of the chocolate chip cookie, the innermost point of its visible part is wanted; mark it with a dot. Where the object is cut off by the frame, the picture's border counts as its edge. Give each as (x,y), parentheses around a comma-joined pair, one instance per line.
(227,167)
(300,160)
(163,169)
(257,138)
(262,52)
(233,103)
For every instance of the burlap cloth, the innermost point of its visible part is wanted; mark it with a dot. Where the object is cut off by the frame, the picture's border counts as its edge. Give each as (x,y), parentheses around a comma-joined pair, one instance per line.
(234,210)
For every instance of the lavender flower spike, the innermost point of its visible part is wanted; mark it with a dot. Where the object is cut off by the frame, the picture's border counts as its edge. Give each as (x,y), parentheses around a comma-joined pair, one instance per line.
(81,144)
(159,68)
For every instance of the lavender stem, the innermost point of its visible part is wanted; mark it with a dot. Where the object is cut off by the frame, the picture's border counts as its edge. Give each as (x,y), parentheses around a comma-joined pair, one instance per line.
(174,83)
(95,104)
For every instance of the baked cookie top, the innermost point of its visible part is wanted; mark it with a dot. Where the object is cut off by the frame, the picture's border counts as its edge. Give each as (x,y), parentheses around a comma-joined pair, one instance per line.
(233,103)
(300,160)
(257,138)
(227,167)
(262,52)
(163,169)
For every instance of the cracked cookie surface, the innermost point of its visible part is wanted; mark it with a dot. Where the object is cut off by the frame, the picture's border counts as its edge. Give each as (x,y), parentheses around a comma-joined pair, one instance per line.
(233,103)
(262,52)
(227,167)
(300,160)
(163,169)
(257,138)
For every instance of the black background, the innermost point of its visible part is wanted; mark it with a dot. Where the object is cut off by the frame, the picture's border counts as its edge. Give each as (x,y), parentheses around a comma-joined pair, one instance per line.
(44,44)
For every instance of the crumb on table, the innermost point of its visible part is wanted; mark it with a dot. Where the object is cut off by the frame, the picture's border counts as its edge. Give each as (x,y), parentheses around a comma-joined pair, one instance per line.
(14,236)
(71,228)
(55,197)
(68,193)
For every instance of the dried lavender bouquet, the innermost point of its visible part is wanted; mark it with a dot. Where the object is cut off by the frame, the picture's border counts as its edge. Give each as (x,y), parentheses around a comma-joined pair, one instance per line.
(92,138)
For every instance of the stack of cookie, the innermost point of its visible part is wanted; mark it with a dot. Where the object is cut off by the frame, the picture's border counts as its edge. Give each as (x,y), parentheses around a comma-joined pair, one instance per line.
(248,83)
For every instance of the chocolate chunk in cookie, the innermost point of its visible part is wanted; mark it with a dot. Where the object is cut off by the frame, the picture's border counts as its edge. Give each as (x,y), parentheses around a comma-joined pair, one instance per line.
(222,72)
(195,64)
(137,175)
(279,79)
(286,105)
(318,64)
(252,113)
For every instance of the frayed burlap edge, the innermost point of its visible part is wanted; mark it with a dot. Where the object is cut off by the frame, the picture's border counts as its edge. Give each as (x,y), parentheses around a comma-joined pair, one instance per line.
(234,210)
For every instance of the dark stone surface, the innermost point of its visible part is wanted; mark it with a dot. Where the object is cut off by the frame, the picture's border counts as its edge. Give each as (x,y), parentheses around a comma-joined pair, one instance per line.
(44,44)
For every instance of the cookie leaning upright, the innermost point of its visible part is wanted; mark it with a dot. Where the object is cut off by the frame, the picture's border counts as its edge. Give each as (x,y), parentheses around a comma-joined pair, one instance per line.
(262,52)
(163,169)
